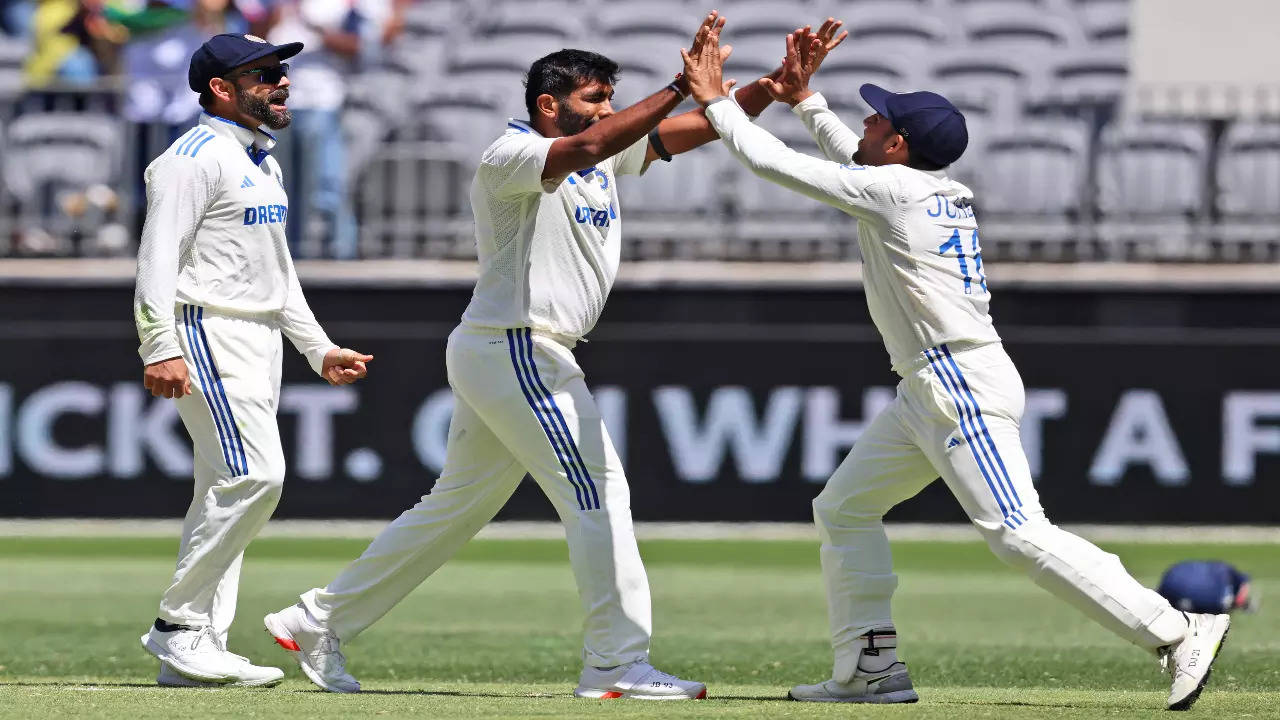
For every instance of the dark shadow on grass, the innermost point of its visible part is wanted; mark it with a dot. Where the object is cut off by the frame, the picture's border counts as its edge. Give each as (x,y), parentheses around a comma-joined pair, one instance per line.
(459,693)
(55,683)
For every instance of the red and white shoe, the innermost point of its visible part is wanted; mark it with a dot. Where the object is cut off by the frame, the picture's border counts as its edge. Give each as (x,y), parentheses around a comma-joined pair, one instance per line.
(315,649)
(638,681)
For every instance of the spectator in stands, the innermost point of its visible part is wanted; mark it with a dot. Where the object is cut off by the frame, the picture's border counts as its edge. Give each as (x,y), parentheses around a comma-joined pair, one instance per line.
(70,38)
(341,37)
(162,37)
(16,17)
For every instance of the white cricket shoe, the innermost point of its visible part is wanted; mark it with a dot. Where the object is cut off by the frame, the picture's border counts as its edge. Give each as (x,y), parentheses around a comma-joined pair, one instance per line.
(193,653)
(1190,661)
(891,685)
(250,675)
(315,649)
(638,681)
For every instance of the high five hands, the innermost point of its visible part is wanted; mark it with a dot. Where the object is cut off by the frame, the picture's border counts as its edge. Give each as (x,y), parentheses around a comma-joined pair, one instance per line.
(703,64)
(805,52)
(707,51)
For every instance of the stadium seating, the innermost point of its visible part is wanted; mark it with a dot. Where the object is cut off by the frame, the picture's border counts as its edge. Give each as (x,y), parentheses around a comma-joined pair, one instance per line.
(1059,169)
(13,51)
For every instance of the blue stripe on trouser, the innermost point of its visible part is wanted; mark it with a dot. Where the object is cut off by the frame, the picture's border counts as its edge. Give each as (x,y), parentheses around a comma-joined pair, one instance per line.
(583,475)
(965,428)
(188,319)
(985,433)
(537,413)
(987,447)
(240,464)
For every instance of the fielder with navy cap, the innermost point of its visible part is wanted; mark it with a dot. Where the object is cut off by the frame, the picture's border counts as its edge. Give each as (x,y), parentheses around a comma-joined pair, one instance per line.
(960,400)
(216,287)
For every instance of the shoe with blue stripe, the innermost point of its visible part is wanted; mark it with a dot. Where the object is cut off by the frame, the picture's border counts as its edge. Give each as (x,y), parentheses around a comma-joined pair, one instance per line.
(1190,662)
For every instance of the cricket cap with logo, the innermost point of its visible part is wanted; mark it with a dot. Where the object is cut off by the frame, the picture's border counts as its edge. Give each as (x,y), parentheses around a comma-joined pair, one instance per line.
(933,127)
(222,53)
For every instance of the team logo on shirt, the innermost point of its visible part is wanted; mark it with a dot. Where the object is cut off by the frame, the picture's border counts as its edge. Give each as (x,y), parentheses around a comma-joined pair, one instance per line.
(265,214)
(587,215)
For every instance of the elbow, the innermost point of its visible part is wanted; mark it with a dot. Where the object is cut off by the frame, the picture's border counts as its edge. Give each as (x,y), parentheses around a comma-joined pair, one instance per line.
(590,151)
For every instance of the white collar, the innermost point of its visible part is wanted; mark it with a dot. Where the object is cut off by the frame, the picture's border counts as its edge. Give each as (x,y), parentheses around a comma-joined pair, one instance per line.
(256,141)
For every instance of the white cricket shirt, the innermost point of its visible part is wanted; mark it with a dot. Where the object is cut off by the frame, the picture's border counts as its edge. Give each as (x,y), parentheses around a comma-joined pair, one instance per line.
(922,262)
(549,250)
(215,236)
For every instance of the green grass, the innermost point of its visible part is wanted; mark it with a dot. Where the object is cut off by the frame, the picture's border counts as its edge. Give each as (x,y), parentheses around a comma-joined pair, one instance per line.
(496,634)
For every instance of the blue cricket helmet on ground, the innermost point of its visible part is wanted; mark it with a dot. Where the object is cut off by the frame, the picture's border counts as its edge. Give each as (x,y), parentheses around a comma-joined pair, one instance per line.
(1207,586)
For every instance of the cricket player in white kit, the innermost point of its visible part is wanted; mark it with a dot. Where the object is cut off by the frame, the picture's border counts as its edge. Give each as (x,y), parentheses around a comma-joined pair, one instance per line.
(548,232)
(215,289)
(960,400)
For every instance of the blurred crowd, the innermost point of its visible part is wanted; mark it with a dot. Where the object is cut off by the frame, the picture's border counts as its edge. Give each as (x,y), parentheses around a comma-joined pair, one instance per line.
(144,47)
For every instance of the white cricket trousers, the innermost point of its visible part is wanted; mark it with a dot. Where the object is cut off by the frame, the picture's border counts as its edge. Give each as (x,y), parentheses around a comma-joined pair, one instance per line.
(957,417)
(234,366)
(520,406)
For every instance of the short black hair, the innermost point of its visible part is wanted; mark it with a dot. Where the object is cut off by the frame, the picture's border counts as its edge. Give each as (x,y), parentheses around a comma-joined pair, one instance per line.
(562,72)
(206,98)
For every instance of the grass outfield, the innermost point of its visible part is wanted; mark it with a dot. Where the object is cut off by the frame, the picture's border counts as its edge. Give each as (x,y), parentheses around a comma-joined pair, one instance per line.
(496,634)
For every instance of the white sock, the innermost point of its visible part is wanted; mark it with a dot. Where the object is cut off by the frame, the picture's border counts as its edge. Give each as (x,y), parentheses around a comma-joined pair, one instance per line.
(880,661)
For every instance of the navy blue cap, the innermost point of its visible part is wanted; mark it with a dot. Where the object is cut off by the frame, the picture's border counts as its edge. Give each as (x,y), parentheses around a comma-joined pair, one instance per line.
(1205,586)
(933,127)
(221,53)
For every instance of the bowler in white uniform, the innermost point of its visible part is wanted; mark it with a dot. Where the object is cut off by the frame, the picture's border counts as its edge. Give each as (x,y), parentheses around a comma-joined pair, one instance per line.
(548,234)
(215,289)
(960,399)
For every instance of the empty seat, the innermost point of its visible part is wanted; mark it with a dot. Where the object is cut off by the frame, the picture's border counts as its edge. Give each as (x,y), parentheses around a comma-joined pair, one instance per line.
(1083,76)
(1018,29)
(1152,169)
(548,20)
(772,18)
(458,113)
(1036,168)
(1248,171)
(898,27)
(847,68)
(981,76)
(688,185)
(666,23)
(13,52)
(60,150)
(436,18)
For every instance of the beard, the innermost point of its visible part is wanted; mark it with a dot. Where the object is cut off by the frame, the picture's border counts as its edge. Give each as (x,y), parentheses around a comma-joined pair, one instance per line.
(570,122)
(260,109)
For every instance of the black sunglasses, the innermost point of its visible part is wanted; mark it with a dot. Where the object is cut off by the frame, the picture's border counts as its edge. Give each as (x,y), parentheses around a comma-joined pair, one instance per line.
(271,75)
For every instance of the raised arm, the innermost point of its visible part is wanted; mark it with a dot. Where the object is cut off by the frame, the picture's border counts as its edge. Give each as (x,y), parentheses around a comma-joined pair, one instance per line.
(859,191)
(791,85)
(687,131)
(616,133)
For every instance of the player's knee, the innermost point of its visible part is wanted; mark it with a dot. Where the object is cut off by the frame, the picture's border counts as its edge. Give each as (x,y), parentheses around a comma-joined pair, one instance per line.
(266,484)
(843,514)
(1010,544)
